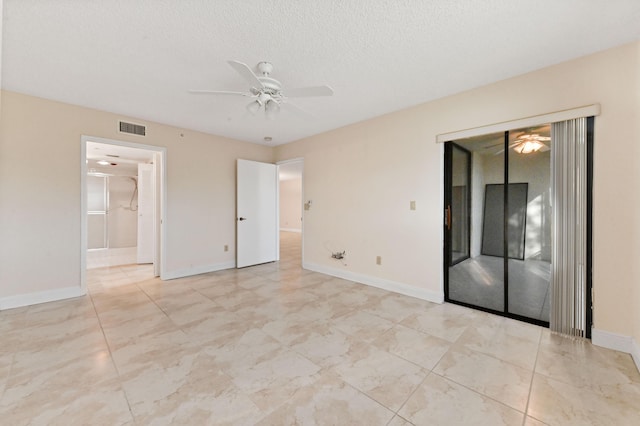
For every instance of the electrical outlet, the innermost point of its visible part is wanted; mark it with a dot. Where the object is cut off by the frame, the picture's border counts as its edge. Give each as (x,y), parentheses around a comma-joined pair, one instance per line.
(378,260)
(226,247)
(338,255)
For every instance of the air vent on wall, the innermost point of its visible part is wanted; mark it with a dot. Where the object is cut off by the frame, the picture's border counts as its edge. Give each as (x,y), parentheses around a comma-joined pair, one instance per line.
(134,129)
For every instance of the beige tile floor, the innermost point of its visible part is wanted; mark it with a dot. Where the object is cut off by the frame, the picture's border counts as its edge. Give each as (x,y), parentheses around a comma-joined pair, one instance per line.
(278,345)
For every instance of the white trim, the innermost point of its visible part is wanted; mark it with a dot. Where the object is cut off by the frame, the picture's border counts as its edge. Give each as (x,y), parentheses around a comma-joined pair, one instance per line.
(617,342)
(569,114)
(84,230)
(393,286)
(609,340)
(41,297)
(291,160)
(187,272)
(442,215)
(635,352)
(298,230)
(294,160)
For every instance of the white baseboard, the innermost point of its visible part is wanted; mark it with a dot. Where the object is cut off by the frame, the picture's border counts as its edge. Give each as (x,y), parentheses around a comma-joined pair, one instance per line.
(291,230)
(606,339)
(617,342)
(635,352)
(181,273)
(21,300)
(393,286)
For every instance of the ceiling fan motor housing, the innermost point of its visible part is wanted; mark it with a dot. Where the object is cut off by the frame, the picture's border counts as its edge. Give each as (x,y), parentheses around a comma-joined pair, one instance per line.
(271,84)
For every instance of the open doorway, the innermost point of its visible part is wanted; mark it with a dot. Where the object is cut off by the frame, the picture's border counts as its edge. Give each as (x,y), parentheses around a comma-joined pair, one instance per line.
(122,201)
(290,177)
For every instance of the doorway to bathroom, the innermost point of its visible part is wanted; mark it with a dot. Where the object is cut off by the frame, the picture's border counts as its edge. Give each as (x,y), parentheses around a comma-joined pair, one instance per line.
(123,201)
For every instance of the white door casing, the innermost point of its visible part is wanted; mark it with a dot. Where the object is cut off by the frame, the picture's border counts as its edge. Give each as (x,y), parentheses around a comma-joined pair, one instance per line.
(256,213)
(146,208)
(157,219)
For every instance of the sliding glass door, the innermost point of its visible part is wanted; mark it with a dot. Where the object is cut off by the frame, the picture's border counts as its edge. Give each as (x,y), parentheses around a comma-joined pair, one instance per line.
(498,223)
(459,213)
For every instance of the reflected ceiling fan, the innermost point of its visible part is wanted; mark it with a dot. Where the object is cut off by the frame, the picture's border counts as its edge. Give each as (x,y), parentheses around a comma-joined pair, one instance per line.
(266,92)
(526,144)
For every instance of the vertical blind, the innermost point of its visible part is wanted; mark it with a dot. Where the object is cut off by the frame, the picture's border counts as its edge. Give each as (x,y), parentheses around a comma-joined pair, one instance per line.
(569,210)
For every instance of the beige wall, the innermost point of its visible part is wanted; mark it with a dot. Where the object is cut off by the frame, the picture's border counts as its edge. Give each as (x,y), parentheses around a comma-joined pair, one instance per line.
(123,221)
(291,204)
(378,166)
(40,172)
(361,179)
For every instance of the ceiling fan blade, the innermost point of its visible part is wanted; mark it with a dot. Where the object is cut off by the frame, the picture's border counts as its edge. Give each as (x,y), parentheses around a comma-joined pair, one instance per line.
(493,146)
(296,110)
(218,92)
(309,91)
(544,148)
(246,73)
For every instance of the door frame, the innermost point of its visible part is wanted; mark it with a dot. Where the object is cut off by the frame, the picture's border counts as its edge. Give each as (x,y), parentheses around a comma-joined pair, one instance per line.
(302,204)
(160,212)
(447,172)
(448,194)
(590,111)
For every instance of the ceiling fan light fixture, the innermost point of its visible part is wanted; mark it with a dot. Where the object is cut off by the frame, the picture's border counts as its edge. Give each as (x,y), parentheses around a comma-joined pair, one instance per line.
(527,147)
(271,109)
(254,107)
(263,98)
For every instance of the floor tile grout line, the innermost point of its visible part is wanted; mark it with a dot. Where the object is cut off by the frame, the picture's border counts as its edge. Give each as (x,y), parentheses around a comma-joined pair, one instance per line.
(368,396)
(458,344)
(533,375)
(449,379)
(429,372)
(113,361)
(104,315)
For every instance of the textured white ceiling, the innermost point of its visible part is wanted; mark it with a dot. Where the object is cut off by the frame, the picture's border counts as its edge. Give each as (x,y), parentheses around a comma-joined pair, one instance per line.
(139,57)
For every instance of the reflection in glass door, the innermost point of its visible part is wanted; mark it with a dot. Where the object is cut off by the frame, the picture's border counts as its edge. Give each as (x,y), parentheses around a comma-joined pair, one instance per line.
(498,223)
(460,203)
(530,274)
(475,280)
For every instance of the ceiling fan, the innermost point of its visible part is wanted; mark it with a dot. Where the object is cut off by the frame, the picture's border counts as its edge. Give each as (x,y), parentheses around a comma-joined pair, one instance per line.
(266,91)
(526,144)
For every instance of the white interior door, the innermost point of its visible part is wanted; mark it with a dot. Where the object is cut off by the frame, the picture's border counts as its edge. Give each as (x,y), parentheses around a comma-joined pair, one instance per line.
(257,213)
(146,201)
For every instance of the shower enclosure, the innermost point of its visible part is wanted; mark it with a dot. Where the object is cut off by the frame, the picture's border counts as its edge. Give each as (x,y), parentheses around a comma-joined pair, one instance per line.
(112,221)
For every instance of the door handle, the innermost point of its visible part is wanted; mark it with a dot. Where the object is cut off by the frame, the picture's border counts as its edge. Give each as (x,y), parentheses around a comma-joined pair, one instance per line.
(242,218)
(448,218)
